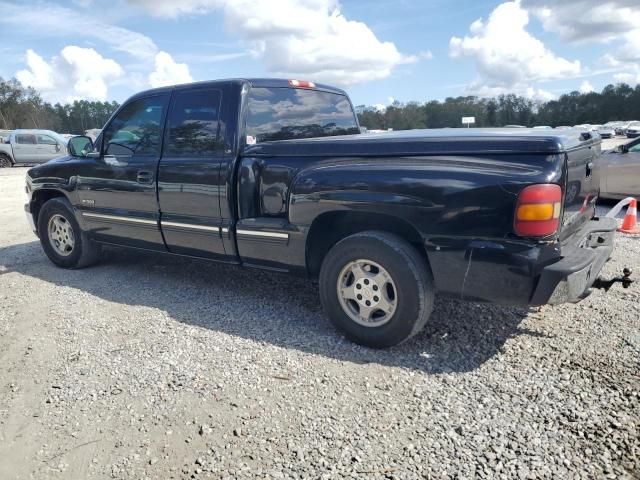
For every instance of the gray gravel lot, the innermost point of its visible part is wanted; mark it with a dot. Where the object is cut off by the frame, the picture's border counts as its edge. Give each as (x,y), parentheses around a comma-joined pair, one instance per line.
(158,367)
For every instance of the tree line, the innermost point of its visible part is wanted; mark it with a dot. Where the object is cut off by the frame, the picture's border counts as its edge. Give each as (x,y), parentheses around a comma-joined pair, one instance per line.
(23,107)
(615,102)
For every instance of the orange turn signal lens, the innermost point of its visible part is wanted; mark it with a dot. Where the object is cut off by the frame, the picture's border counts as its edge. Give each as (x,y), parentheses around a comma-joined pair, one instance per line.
(535,212)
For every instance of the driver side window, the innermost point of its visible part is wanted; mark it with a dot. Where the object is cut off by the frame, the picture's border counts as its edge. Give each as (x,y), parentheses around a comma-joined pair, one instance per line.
(137,130)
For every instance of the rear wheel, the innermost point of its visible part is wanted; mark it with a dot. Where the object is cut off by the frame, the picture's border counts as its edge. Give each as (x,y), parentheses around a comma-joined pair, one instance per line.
(61,238)
(376,288)
(5,161)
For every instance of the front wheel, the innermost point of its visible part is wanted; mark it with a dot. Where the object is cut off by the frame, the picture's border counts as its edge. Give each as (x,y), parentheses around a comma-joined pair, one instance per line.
(5,162)
(61,238)
(376,288)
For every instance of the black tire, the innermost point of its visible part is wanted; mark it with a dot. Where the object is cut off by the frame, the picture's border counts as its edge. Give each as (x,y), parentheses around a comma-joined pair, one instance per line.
(84,251)
(5,161)
(409,272)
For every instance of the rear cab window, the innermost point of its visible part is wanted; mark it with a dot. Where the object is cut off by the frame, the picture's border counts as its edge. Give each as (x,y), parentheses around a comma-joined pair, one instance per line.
(281,113)
(192,127)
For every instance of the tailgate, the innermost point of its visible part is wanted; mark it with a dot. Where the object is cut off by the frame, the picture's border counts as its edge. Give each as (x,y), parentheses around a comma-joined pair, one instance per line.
(581,185)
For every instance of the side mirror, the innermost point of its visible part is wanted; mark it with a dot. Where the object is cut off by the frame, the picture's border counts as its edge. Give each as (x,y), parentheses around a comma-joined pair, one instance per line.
(80,146)
(622,149)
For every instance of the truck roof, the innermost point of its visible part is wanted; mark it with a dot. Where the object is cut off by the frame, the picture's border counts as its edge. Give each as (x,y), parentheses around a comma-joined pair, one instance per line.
(435,141)
(35,131)
(254,82)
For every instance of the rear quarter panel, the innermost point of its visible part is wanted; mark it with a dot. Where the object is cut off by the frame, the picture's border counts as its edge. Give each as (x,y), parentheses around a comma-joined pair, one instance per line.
(439,195)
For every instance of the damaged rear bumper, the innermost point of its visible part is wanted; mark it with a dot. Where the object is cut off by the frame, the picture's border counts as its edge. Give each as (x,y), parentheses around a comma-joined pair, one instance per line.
(570,278)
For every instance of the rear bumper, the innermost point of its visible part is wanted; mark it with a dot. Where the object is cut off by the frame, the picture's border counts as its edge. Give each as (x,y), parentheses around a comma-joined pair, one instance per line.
(570,278)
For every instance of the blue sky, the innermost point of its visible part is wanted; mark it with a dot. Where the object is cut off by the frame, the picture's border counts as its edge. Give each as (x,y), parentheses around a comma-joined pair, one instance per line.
(378,50)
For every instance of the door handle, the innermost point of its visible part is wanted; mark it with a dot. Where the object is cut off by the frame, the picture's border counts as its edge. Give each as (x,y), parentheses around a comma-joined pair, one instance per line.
(145,177)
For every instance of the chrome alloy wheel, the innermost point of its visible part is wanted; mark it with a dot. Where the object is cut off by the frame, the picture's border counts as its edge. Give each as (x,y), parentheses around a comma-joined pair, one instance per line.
(367,293)
(61,236)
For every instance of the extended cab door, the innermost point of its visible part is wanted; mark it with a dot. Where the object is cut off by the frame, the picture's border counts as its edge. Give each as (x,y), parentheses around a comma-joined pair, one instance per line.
(25,148)
(189,181)
(118,195)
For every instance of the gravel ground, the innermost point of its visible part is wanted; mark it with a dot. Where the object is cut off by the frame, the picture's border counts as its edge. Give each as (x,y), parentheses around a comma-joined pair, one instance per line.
(157,367)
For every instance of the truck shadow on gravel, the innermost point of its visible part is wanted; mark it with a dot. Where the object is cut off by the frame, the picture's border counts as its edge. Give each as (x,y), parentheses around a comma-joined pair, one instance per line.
(271,308)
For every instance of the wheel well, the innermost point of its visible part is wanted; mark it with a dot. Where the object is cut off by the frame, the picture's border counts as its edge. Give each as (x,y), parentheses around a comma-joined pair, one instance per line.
(329,228)
(41,197)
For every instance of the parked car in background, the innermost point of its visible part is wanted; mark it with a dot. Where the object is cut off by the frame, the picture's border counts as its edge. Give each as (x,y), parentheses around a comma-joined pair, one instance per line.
(605,131)
(514,126)
(32,146)
(542,127)
(563,127)
(633,130)
(621,128)
(612,126)
(620,171)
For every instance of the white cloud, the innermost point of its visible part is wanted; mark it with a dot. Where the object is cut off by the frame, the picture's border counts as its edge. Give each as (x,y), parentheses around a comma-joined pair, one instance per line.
(77,73)
(426,55)
(631,77)
(508,58)
(299,38)
(613,22)
(168,72)
(82,72)
(586,87)
(521,89)
(59,21)
(173,9)
(586,20)
(39,75)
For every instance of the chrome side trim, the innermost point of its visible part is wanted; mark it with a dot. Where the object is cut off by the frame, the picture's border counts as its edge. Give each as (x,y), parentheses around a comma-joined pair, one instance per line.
(255,233)
(225,230)
(190,225)
(119,218)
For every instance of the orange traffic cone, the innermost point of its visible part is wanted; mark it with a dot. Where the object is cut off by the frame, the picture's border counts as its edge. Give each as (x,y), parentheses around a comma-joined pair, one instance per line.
(630,222)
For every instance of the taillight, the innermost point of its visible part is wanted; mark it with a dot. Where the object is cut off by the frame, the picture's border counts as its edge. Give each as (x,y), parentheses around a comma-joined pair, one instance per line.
(302,84)
(538,210)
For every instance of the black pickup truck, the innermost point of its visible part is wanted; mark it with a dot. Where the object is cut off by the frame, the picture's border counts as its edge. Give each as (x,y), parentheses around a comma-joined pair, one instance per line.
(275,174)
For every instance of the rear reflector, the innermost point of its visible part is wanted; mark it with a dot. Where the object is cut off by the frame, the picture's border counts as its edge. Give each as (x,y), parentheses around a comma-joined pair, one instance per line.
(538,210)
(302,84)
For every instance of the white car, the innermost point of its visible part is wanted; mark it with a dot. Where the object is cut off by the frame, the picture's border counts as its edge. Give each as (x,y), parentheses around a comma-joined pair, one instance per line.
(606,131)
(32,146)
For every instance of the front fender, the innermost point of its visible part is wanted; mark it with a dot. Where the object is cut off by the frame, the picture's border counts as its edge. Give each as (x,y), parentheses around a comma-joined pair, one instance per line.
(43,184)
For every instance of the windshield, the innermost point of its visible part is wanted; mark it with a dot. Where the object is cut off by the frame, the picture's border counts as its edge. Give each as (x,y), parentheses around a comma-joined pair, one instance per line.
(294,113)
